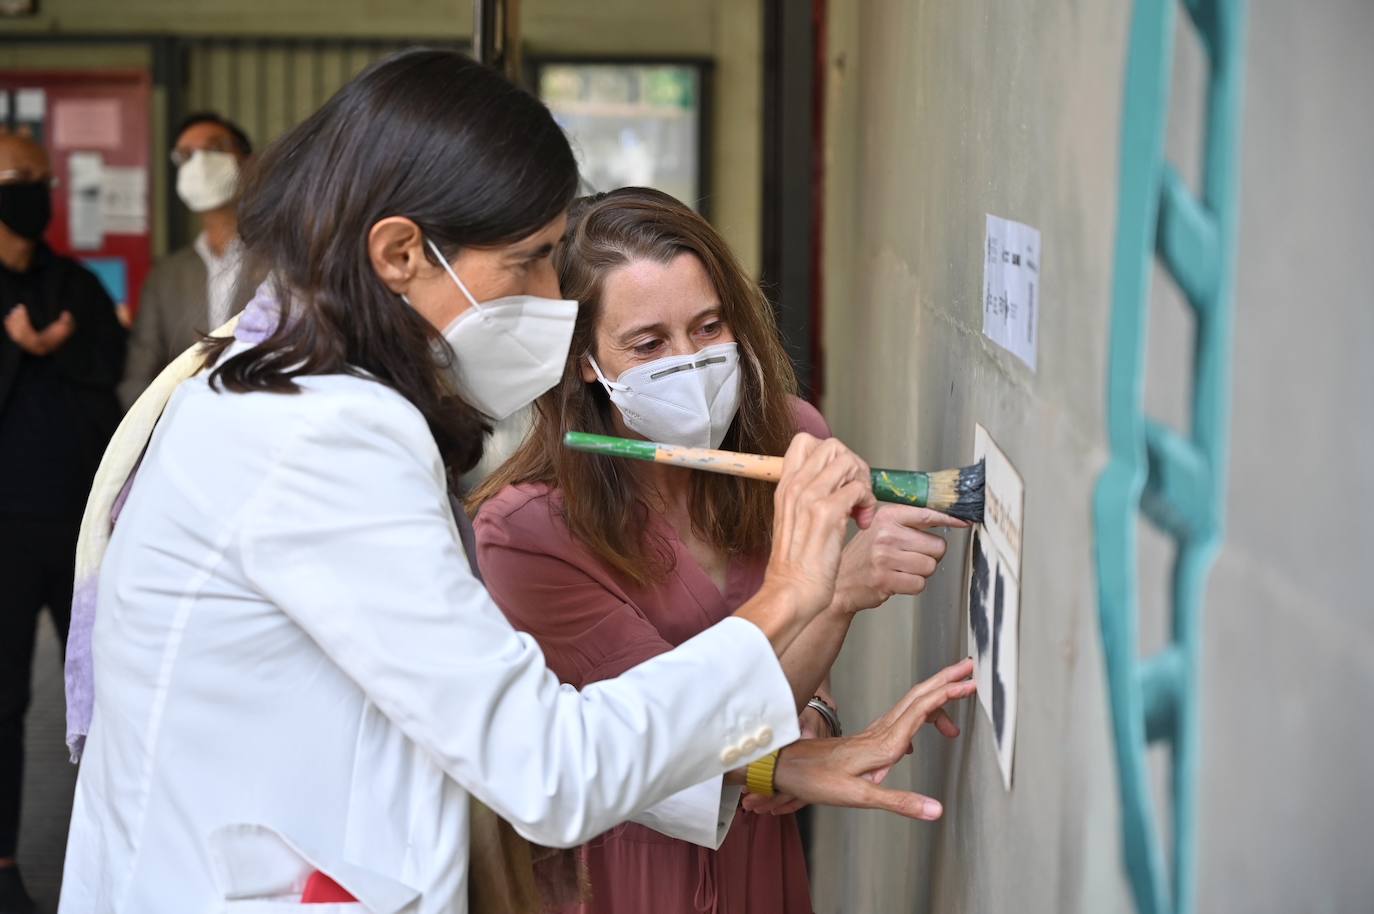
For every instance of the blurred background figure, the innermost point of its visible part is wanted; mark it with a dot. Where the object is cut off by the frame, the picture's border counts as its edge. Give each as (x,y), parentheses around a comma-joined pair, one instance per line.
(60,357)
(200,286)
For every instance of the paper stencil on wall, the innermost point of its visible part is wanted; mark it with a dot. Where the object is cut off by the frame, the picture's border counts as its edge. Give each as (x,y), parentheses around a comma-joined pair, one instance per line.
(994,595)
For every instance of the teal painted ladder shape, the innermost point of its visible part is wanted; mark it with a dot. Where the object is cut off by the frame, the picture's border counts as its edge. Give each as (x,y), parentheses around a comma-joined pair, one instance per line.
(1177,481)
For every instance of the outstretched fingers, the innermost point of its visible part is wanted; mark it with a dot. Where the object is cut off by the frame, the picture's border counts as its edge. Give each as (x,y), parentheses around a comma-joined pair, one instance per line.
(901,733)
(956,672)
(906,803)
(850,771)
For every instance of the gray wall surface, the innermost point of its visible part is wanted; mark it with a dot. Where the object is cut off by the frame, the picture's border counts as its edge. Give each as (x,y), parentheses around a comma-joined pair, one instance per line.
(941,112)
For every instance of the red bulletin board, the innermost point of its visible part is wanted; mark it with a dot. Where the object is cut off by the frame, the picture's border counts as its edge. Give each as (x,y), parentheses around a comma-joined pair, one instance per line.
(95,126)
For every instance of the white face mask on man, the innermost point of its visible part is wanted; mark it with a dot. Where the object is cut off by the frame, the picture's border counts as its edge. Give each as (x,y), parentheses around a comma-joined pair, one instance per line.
(509,350)
(208,180)
(688,400)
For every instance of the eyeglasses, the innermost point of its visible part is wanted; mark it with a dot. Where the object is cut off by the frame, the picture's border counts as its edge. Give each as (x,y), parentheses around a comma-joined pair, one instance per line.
(181,155)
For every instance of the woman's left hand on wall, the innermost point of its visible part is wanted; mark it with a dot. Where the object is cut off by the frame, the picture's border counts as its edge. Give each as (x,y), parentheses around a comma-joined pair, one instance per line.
(850,771)
(895,555)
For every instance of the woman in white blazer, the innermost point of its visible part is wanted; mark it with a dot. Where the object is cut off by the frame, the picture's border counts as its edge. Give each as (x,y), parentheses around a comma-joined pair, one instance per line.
(294,669)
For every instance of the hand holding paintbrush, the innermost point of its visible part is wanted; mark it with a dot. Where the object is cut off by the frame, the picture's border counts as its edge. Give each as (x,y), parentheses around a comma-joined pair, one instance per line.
(958,493)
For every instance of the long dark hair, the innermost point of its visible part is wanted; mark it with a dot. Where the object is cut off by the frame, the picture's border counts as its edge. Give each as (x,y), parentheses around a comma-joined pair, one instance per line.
(427,134)
(603,500)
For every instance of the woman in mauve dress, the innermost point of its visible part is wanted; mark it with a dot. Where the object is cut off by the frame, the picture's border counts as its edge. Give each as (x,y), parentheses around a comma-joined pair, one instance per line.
(607,562)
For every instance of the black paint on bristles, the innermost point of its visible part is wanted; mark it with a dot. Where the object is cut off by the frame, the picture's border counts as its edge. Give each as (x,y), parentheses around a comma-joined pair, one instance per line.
(958,493)
(978,596)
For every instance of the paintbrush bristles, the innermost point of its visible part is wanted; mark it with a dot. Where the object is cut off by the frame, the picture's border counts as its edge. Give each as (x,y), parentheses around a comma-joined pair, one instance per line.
(958,493)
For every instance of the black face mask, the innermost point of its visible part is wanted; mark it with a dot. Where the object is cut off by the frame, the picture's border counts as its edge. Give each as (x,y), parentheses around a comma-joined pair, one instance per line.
(26,208)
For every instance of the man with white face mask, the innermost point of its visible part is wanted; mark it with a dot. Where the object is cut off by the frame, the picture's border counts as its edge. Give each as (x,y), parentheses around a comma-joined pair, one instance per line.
(196,288)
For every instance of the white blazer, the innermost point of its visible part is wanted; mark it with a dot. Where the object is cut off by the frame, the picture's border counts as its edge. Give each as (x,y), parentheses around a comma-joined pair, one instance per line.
(295,669)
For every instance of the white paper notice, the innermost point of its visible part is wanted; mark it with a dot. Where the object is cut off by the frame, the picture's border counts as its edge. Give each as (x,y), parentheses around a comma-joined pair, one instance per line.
(994,595)
(124,201)
(1011,279)
(30,104)
(86,224)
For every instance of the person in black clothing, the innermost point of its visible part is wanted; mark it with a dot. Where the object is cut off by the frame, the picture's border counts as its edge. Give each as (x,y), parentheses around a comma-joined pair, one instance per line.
(61,355)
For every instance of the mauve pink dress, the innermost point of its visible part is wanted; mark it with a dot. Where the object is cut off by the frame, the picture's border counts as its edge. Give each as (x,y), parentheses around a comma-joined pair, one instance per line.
(593,624)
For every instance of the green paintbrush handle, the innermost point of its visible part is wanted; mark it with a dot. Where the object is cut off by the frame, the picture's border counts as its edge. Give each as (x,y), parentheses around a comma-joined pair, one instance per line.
(902,487)
(611,446)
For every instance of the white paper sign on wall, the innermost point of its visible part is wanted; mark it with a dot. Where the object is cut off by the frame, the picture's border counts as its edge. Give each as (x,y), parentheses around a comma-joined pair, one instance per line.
(30,104)
(85,221)
(1011,280)
(994,595)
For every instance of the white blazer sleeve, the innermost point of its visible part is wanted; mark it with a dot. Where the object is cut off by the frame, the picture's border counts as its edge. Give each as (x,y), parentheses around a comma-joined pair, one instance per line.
(351,535)
(701,814)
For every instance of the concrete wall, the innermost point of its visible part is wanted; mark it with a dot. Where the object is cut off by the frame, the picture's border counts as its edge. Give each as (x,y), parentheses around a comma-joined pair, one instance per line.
(728,31)
(941,112)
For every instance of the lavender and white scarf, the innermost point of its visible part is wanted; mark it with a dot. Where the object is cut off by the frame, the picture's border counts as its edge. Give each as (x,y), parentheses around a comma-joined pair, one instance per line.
(111,487)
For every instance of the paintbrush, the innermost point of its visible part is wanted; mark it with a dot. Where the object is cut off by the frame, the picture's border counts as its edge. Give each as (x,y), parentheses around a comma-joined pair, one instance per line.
(958,493)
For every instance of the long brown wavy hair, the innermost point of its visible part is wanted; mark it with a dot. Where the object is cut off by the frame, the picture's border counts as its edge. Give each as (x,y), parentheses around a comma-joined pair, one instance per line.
(603,499)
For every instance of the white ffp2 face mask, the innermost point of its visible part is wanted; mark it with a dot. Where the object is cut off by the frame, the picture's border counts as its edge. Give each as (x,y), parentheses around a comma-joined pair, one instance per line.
(207,180)
(682,399)
(508,351)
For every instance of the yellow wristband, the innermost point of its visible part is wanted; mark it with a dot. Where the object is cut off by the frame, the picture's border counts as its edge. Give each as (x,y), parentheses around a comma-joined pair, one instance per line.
(758,777)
